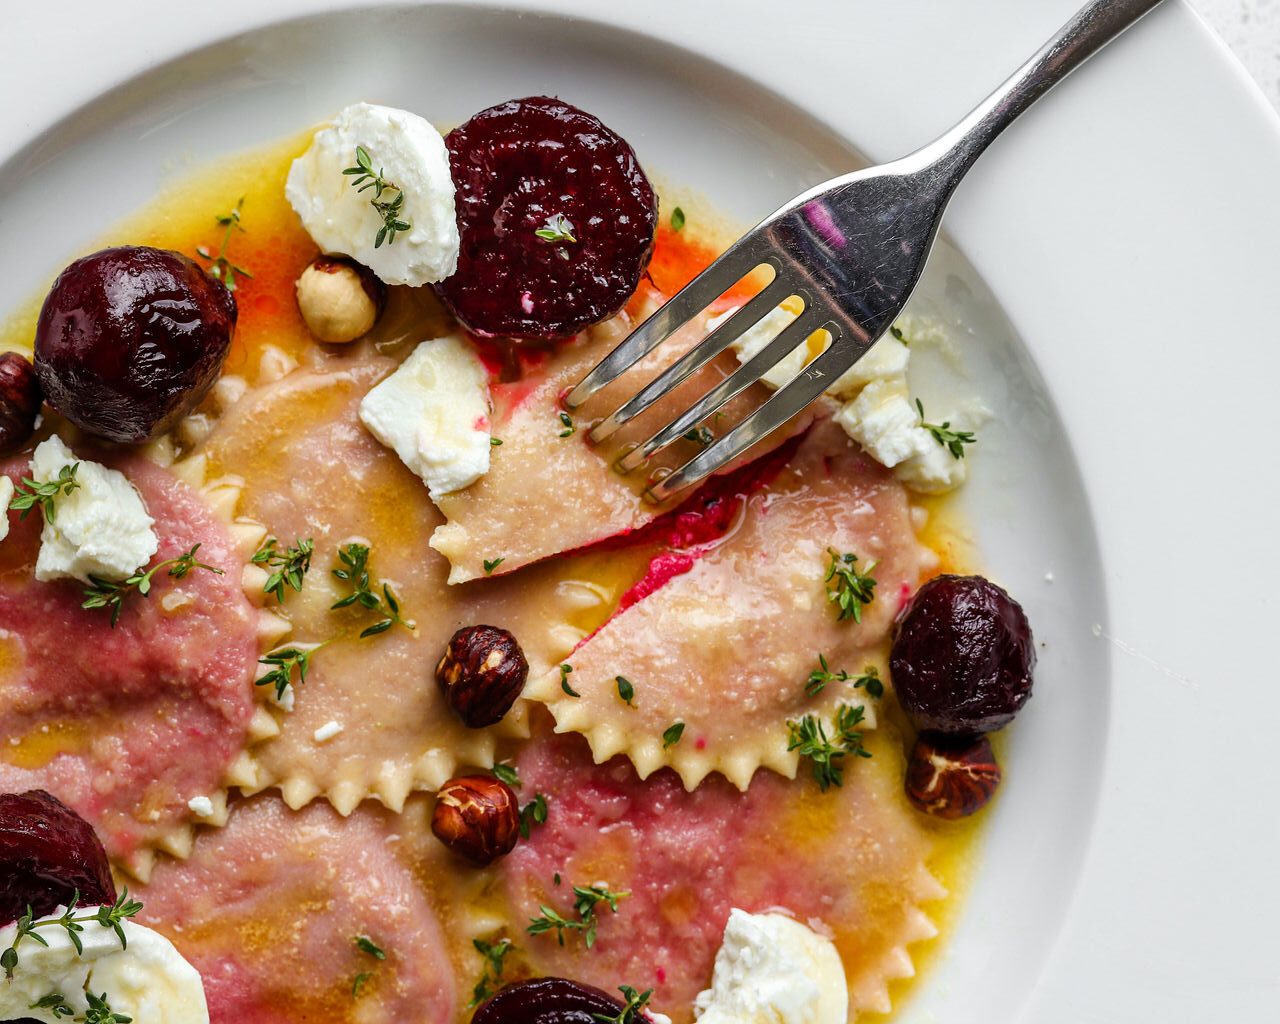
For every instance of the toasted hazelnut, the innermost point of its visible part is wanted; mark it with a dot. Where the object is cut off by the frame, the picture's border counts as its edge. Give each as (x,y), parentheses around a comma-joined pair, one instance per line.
(482,673)
(951,778)
(477,816)
(20,400)
(339,299)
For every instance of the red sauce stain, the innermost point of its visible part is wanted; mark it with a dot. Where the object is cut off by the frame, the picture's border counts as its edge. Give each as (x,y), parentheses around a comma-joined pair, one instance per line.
(701,744)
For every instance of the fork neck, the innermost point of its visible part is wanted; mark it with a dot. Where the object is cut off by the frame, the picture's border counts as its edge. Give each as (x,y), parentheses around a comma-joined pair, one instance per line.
(1089,30)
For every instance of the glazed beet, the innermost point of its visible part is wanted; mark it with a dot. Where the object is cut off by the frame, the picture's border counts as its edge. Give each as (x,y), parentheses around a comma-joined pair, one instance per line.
(547,1001)
(519,166)
(130,339)
(962,657)
(47,852)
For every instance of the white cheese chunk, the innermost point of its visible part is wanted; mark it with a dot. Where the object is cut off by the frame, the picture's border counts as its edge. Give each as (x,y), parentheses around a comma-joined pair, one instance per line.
(101,528)
(771,969)
(6,496)
(885,423)
(408,151)
(200,806)
(148,981)
(933,470)
(327,732)
(434,413)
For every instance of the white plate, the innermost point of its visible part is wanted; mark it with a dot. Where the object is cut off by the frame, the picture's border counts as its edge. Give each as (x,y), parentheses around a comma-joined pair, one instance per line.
(1130,229)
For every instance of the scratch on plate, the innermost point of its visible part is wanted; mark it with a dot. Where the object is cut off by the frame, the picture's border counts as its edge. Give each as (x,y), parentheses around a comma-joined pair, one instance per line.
(1133,652)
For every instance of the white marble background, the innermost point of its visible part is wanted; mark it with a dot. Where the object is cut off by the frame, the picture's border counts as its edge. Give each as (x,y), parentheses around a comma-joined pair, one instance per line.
(1252,29)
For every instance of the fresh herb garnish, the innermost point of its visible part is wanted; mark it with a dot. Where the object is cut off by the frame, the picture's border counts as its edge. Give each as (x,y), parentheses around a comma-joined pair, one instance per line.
(848,589)
(220,267)
(355,571)
(104,593)
(56,1003)
(897,333)
(290,565)
(533,813)
(558,228)
(495,441)
(492,563)
(564,681)
(701,435)
(636,1001)
(820,676)
(567,422)
(111,917)
(367,945)
(677,219)
(809,739)
(365,177)
(672,735)
(506,773)
(952,440)
(586,901)
(28,493)
(626,691)
(100,1012)
(495,955)
(285,660)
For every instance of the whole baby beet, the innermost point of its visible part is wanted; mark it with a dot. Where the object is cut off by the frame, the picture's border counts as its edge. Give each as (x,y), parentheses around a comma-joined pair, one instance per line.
(548,1001)
(131,339)
(963,656)
(556,220)
(47,854)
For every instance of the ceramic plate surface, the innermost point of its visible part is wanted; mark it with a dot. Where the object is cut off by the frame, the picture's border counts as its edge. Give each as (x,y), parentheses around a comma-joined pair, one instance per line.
(1110,270)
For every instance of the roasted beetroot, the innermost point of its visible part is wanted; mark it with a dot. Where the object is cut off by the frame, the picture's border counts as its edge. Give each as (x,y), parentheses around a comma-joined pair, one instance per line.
(48,853)
(556,219)
(962,657)
(130,339)
(547,1001)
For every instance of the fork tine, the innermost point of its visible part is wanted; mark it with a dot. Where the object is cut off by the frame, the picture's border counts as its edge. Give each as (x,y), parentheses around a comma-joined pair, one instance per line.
(696,358)
(732,386)
(736,262)
(784,403)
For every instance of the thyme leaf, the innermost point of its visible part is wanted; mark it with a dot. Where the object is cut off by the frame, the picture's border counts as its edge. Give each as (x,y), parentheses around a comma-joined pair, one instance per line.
(672,735)
(564,681)
(847,588)
(29,494)
(533,813)
(626,691)
(290,565)
(105,593)
(558,228)
(677,219)
(952,440)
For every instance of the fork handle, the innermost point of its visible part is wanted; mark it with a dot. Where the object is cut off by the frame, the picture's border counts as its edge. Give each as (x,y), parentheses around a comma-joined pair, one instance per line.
(1088,31)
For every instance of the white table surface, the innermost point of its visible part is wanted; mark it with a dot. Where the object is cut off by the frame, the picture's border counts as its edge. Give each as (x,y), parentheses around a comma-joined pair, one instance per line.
(1251,28)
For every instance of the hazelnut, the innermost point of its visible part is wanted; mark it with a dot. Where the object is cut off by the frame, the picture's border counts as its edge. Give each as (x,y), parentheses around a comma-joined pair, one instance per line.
(951,778)
(19,401)
(339,299)
(477,816)
(482,673)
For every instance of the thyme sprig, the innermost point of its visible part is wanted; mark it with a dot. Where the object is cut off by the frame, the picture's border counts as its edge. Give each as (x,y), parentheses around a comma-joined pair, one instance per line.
(952,440)
(290,565)
(98,1012)
(104,593)
(112,916)
(558,228)
(587,900)
(495,955)
(354,571)
(847,588)
(820,676)
(364,178)
(533,813)
(630,1013)
(283,662)
(220,266)
(809,738)
(28,494)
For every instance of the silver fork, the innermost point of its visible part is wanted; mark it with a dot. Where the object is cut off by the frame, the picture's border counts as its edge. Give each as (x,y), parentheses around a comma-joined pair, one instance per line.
(851,249)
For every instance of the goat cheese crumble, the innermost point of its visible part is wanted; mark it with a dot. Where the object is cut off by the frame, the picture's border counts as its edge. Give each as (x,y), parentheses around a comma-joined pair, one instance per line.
(101,528)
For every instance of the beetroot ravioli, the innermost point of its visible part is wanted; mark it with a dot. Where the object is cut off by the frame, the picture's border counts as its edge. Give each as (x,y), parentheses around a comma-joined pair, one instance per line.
(342,677)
